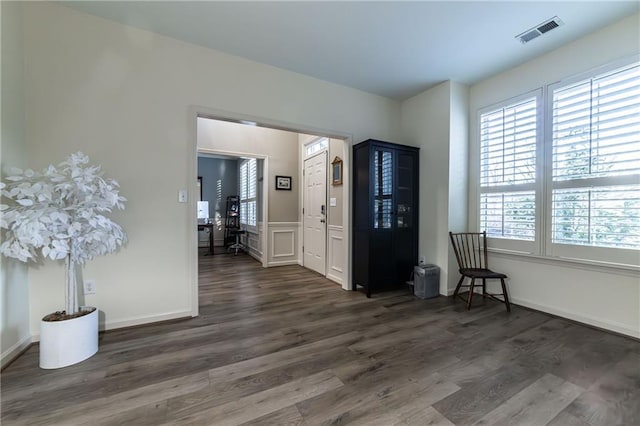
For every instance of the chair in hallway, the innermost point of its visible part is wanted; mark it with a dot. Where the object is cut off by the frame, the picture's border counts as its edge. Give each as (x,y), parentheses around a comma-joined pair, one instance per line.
(471,253)
(238,244)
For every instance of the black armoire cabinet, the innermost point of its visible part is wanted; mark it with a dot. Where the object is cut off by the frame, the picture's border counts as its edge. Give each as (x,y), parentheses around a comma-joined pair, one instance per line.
(385,215)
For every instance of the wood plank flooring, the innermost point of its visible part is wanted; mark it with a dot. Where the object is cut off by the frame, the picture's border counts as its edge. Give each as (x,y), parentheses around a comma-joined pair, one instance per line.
(286,346)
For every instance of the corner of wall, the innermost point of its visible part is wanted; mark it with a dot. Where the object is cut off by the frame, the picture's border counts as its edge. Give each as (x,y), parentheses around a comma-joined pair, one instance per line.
(14,290)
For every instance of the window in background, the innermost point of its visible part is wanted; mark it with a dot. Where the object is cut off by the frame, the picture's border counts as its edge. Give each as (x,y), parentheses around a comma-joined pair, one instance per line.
(248,193)
(316,146)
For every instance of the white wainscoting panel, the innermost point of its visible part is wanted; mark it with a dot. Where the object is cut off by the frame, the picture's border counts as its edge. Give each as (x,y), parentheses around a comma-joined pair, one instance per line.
(252,241)
(283,243)
(336,258)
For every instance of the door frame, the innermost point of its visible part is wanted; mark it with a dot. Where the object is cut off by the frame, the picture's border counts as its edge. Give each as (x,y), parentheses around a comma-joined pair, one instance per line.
(303,187)
(265,189)
(194,112)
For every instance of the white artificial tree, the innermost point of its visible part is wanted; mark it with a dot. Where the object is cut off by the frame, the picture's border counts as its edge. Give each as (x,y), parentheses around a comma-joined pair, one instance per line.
(60,214)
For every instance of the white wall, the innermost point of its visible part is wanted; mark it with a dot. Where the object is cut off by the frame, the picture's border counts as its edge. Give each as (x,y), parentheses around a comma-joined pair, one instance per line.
(607,298)
(123,95)
(458,172)
(280,146)
(427,122)
(14,290)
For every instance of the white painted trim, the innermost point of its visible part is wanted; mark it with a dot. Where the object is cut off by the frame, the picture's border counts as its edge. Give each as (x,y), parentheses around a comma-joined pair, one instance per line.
(347,207)
(146,320)
(112,325)
(283,262)
(254,251)
(273,246)
(334,278)
(610,268)
(283,224)
(196,111)
(15,350)
(336,274)
(300,242)
(265,187)
(192,221)
(597,322)
(584,319)
(337,269)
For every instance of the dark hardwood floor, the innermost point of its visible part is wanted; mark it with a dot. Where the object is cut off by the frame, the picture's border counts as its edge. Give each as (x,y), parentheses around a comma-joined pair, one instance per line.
(286,346)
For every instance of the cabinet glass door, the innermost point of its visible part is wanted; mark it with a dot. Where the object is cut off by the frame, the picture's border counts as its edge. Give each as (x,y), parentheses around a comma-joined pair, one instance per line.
(404,191)
(382,189)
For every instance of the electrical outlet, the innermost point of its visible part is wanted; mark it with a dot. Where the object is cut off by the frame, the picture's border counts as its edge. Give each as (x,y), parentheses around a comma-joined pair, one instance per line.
(421,260)
(89,287)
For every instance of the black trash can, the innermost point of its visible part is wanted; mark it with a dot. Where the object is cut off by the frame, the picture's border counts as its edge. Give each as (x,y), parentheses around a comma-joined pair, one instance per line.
(426,281)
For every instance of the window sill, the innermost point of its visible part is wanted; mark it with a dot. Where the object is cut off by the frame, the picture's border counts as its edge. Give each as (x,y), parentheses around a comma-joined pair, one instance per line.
(615,268)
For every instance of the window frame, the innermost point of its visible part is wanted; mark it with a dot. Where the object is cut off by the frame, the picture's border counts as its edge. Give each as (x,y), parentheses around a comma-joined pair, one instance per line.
(512,245)
(244,202)
(543,248)
(608,255)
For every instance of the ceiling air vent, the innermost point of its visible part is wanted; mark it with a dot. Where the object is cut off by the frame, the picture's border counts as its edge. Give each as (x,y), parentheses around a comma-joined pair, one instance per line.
(539,29)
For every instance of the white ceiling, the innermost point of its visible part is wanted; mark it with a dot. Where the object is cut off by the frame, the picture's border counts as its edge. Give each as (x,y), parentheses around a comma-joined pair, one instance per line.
(394,49)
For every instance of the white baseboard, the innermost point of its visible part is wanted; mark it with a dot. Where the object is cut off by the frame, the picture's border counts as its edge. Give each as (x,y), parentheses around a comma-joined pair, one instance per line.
(15,350)
(283,262)
(113,325)
(607,325)
(255,254)
(334,278)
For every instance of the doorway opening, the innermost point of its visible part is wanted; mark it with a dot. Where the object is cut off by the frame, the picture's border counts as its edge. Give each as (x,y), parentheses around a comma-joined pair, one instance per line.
(230,203)
(279,216)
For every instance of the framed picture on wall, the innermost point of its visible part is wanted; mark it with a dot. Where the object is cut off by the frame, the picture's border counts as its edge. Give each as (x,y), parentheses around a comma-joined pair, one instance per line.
(336,171)
(283,183)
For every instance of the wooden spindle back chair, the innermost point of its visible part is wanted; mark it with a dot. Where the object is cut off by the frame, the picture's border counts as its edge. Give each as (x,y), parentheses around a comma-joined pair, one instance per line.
(470,249)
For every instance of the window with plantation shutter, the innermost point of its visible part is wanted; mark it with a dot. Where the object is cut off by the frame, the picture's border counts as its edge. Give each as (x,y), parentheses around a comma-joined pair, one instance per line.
(572,193)
(508,148)
(248,192)
(595,160)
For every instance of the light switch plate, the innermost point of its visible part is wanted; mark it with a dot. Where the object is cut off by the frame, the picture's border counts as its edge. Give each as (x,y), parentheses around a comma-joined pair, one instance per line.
(333,202)
(182,196)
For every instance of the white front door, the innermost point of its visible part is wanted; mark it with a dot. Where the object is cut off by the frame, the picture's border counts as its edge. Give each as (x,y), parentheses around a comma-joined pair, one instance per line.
(315,213)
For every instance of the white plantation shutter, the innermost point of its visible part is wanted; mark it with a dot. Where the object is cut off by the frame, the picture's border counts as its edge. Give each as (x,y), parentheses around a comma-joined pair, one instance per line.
(251,192)
(595,160)
(509,214)
(248,192)
(508,147)
(243,191)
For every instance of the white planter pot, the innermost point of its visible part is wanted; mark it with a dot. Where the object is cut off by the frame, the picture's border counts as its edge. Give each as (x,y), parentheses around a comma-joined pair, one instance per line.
(68,342)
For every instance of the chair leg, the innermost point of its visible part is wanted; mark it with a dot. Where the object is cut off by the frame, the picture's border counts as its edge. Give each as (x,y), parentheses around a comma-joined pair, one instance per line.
(455,293)
(484,288)
(473,280)
(505,295)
